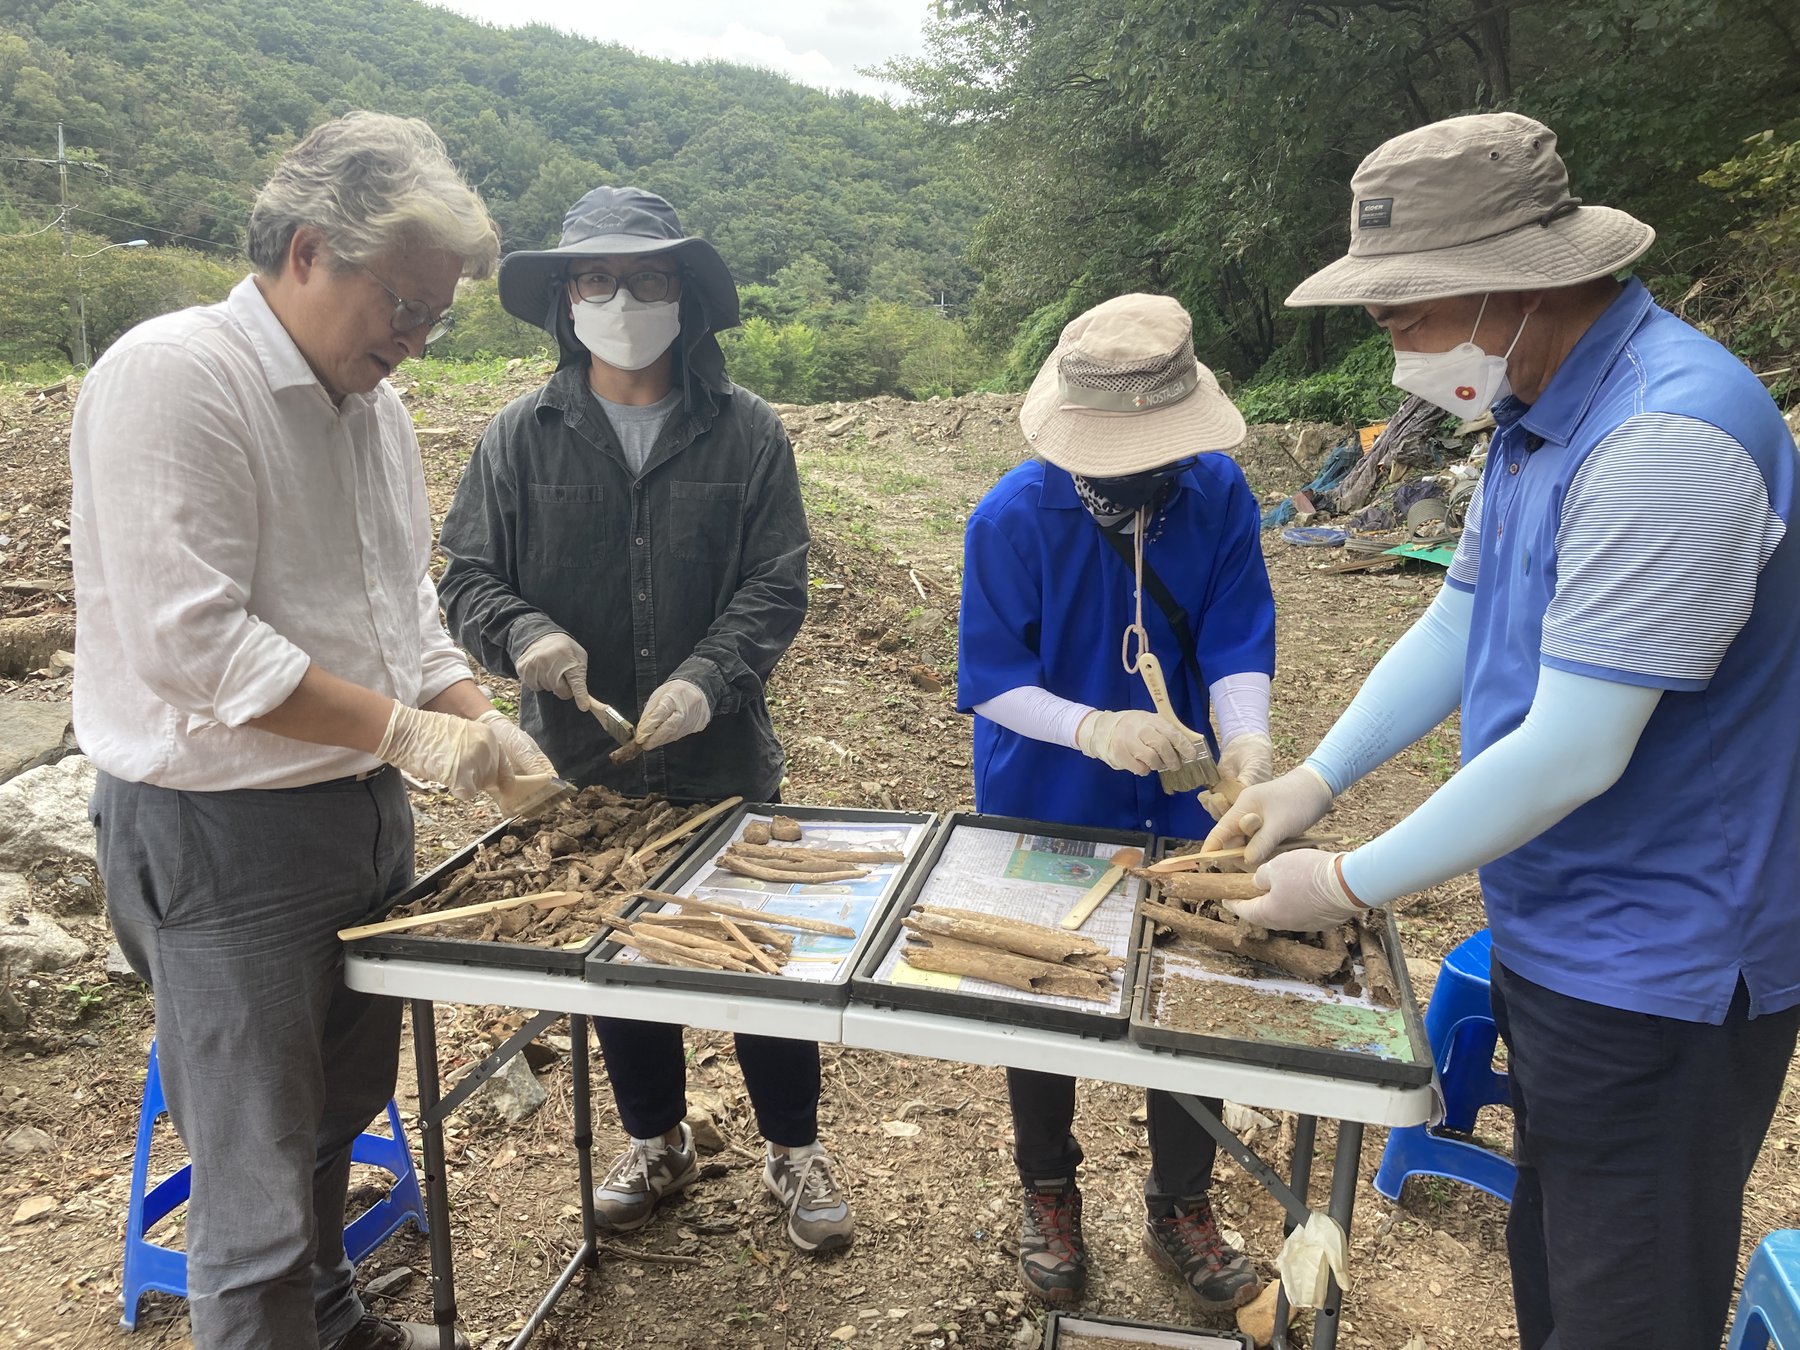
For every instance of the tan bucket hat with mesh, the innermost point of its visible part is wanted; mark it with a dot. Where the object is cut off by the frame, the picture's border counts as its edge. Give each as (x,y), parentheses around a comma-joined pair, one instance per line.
(1470,205)
(1122,393)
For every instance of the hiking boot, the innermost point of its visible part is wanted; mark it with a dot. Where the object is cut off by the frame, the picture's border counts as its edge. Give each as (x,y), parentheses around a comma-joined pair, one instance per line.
(818,1216)
(1188,1244)
(643,1174)
(1052,1256)
(380,1333)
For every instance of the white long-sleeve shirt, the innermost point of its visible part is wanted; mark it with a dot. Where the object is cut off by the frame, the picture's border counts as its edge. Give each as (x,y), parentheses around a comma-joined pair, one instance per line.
(231,526)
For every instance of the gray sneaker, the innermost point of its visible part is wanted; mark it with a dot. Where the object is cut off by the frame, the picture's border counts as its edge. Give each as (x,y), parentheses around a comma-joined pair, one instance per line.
(643,1174)
(818,1215)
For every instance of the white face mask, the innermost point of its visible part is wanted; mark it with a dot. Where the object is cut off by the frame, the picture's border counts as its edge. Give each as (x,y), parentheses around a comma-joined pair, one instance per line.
(625,332)
(1464,380)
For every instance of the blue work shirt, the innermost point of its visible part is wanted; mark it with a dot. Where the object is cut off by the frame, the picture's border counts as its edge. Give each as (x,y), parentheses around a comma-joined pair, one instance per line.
(1046,602)
(1632,525)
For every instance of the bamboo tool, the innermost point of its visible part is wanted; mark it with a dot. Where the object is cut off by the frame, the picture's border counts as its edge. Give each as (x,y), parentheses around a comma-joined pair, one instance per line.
(1089,902)
(729,911)
(545,898)
(687,827)
(1189,862)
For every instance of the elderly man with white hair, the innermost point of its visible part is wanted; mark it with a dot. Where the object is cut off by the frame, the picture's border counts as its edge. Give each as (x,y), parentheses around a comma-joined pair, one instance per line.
(1621,628)
(259,657)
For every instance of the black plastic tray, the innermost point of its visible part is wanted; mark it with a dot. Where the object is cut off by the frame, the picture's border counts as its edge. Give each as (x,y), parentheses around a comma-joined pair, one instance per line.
(1023,1011)
(405,946)
(602,965)
(1336,1063)
(1172,1337)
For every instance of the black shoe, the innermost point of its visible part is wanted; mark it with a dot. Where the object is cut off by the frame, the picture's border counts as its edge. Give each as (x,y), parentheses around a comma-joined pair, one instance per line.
(1052,1256)
(380,1333)
(1188,1244)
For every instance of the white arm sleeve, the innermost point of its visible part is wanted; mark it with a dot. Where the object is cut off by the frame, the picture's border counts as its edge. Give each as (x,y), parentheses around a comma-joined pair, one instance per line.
(1035,712)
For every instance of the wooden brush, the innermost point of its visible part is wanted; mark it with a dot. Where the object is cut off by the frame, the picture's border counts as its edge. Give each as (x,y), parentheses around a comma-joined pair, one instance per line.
(1202,772)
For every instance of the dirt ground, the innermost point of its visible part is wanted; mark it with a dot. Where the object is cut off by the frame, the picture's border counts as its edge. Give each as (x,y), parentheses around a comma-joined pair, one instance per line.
(865,703)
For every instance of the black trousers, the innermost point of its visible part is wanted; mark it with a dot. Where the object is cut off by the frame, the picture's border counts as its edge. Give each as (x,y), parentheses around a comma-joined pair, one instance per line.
(1046,1150)
(1635,1136)
(647,1067)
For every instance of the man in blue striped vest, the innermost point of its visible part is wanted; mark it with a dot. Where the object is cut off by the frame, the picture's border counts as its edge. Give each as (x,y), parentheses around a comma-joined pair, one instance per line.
(1621,629)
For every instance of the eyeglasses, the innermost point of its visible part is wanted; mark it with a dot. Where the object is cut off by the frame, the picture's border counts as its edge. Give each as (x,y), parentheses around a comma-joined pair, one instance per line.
(411,315)
(649,285)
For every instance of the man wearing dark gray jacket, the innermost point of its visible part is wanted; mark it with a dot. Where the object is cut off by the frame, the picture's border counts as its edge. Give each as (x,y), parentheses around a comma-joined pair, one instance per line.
(632,535)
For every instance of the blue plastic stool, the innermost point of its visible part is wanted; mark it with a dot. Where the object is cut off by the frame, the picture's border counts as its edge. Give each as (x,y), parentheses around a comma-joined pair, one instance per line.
(1768,1311)
(150,1266)
(1459,1023)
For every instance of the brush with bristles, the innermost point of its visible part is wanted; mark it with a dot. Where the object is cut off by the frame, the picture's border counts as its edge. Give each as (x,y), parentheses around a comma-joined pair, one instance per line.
(1202,772)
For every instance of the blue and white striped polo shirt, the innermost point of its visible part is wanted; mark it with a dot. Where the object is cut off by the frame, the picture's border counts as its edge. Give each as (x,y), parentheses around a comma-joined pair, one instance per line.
(1632,525)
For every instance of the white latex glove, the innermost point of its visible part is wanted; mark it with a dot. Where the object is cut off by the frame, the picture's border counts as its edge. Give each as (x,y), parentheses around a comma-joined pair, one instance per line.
(458,752)
(1306,894)
(676,708)
(556,664)
(1266,816)
(523,757)
(1248,757)
(1135,741)
(1312,1254)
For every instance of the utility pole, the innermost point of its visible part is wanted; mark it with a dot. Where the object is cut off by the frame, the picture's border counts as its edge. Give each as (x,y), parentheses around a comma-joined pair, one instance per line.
(77,310)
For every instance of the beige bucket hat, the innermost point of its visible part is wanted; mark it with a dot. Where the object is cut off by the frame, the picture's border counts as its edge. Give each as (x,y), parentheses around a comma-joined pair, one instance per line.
(1122,393)
(1468,205)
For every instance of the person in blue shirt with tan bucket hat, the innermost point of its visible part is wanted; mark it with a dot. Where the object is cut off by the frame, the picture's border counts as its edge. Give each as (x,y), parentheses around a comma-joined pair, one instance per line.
(1621,629)
(1121,524)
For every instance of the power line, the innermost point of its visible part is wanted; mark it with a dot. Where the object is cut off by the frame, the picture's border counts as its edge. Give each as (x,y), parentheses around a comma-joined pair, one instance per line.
(117,220)
(167,198)
(154,229)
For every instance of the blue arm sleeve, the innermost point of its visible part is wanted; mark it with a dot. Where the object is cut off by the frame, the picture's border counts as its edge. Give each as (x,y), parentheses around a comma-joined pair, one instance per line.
(1413,688)
(1573,744)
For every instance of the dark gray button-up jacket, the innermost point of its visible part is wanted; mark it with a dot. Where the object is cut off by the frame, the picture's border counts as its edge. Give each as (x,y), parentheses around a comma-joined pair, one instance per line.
(695,570)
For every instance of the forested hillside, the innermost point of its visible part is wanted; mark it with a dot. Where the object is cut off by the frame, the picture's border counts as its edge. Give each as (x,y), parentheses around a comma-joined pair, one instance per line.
(175,110)
(1054,152)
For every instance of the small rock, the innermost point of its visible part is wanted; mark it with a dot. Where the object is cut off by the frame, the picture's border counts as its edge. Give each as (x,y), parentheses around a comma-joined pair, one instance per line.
(46,813)
(118,968)
(843,424)
(32,735)
(34,942)
(390,1283)
(924,1329)
(30,1211)
(707,1136)
(844,1333)
(513,1092)
(1027,1337)
(27,1139)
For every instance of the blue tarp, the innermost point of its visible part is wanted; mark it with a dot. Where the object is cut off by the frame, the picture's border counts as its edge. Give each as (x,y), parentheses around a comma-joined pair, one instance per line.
(1338,464)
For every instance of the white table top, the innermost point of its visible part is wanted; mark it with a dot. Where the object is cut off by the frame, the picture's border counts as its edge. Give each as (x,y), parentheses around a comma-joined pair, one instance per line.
(904,1032)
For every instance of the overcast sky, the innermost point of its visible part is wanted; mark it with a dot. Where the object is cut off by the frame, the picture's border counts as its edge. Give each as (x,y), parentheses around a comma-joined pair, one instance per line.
(817,42)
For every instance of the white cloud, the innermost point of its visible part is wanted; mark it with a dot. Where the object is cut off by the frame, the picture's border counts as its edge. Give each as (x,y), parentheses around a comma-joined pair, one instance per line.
(815,42)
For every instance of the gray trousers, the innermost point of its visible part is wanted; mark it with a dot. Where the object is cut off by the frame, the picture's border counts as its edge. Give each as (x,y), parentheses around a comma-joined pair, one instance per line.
(228,904)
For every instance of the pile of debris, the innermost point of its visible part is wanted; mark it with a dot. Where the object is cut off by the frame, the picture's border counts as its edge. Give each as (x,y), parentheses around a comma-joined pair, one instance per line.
(1394,490)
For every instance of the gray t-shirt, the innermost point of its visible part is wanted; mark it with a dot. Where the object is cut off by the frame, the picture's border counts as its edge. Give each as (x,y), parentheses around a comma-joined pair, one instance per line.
(638,426)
